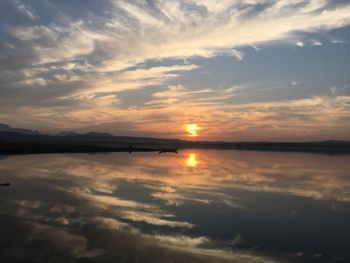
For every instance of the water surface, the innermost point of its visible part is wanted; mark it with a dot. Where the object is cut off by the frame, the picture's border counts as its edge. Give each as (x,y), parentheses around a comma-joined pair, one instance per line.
(197,206)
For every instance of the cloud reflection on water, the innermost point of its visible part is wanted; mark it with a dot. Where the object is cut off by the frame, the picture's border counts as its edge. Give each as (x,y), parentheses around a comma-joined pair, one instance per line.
(105,202)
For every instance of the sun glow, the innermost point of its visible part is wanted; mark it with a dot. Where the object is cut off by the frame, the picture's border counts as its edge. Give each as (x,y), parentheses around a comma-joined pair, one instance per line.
(192,160)
(192,130)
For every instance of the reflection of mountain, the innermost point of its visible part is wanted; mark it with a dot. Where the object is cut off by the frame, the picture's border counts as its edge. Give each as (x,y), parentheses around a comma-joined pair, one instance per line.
(9,134)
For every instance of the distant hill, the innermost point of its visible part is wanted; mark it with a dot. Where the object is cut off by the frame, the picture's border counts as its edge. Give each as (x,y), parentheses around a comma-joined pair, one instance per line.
(6,128)
(9,134)
(67,133)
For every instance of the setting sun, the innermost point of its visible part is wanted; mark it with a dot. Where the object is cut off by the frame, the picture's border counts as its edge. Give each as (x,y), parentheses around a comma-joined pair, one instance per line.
(192,130)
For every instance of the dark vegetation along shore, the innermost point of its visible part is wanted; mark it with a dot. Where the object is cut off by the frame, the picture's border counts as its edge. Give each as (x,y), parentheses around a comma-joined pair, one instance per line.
(29,148)
(22,141)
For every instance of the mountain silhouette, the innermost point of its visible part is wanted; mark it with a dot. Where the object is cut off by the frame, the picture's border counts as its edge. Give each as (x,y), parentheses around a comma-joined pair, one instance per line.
(7,128)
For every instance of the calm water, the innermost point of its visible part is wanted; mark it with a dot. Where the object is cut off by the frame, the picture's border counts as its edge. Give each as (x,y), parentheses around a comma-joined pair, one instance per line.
(197,206)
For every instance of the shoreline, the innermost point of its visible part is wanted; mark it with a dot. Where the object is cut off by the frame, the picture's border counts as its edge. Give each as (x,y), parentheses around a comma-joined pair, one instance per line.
(14,148)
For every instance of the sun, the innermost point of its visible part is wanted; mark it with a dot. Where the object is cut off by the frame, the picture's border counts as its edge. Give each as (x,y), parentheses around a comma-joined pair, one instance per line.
(192,129)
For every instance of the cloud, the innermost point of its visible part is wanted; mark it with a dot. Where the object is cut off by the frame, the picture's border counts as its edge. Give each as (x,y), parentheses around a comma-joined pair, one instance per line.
(109,223)
(142,31)
(317,43)
(68,68)
(24,9)
(299,44)
(237,121)
(153,219)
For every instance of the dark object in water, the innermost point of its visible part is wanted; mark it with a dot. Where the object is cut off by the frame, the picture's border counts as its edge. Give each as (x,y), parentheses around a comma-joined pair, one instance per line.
(167,150)
(5,184)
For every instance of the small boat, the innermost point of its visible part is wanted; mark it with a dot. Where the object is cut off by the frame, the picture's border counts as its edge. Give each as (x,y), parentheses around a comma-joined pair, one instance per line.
(167,150)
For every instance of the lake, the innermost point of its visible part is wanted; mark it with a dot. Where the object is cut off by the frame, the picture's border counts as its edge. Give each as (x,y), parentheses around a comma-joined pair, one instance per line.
(195,206)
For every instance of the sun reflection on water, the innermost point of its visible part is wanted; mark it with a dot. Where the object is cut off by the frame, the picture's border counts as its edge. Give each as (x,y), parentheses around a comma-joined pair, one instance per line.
(192,160)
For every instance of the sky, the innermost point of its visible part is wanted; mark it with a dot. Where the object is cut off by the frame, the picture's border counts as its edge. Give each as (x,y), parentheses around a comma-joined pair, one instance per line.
(248,70)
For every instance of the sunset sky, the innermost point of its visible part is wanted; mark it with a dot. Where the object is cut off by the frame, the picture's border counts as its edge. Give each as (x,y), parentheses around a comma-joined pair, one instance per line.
(237,69)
